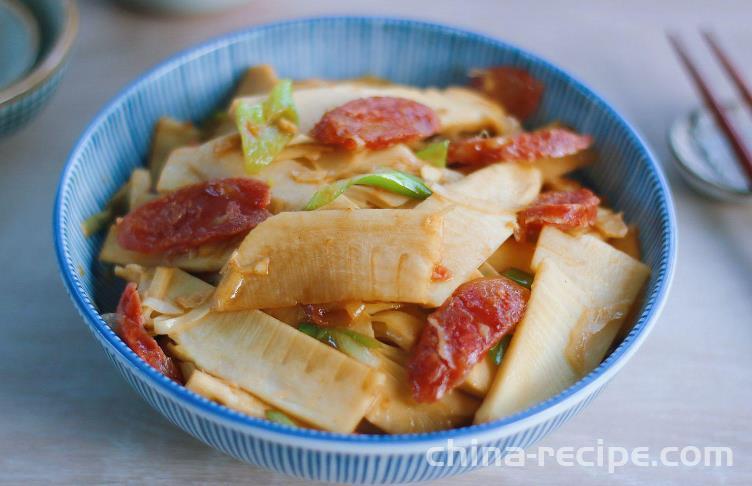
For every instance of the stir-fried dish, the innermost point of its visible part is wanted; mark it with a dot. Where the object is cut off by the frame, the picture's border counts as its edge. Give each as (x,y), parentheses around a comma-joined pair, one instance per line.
(367,257)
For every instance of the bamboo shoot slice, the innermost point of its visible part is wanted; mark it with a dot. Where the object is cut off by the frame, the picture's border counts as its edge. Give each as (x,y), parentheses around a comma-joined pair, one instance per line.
(188,291)
(292,316)
(469,238)
(167,283)
(342,202)
(365,196)
(611,279)
(581,295)
(562,184)
(610,224)
(606,274)
(208,258)
(399,327)
(396,413)
(333,256)
(169,134)
(176,352)
(513,254)
(339,164)
(487,270)
(479,218)
(135,273)
(219,391)
(478,382)
(553,168)
(167,325)
(535,366)
(503,186)
(139,189)
(373,308)
(257,80)
(178,288)
(160,281)
(218,158)
(282,366)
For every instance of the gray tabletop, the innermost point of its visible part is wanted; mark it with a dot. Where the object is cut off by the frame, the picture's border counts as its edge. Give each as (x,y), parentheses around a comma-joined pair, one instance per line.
(67,416)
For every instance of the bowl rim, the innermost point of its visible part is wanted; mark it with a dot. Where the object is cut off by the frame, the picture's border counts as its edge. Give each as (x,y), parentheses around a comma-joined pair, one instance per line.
(50,63)
(366,443)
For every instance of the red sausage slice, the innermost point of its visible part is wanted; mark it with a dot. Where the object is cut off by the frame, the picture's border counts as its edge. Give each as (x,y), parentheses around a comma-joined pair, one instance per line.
(460,332)
(515,89)
(526,147)
(131,330)
(194,215)
(563,209)
(375,123)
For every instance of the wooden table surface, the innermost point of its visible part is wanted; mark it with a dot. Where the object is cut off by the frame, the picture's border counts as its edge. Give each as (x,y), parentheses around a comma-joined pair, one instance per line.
(67,416)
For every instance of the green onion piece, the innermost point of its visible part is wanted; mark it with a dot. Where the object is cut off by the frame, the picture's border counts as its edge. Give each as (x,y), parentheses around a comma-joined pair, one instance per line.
(519,276)
(351,343)
(435,153)
(318,332)
(117,206)
(353,349)
(497,352)
(279,417)
(311,329)
(266,127)
(393,181)
(280,103)
(327,194)
(359,338)
(397,182)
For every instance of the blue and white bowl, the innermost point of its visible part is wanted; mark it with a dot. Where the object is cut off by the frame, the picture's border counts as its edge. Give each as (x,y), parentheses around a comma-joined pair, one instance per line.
(194,83)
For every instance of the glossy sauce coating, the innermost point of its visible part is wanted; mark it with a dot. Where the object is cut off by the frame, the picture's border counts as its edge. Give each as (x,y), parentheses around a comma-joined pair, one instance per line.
(326,315)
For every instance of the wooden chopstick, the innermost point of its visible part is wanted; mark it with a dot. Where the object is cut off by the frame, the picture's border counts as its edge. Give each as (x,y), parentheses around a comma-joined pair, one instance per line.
(737,143)
(729,66)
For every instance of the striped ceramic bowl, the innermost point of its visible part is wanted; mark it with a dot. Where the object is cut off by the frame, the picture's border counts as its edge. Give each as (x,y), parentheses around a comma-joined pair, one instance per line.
(194,83)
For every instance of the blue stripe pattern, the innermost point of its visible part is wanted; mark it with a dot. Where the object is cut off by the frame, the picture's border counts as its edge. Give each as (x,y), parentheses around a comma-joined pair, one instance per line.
(194,83)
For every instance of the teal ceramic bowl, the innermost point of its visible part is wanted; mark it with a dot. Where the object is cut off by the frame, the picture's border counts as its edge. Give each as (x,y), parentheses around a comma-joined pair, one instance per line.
(189,7)
(57,26)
